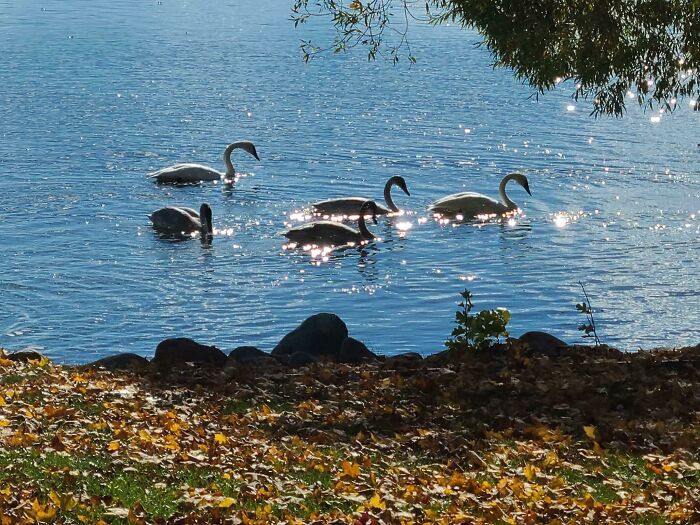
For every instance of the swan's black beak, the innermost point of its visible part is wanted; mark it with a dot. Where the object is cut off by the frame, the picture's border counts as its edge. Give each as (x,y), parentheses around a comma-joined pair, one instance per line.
(527,189)
(255,154)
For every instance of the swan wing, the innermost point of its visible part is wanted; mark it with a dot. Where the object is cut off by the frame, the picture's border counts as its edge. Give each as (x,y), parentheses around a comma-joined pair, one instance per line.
(323,232)
(344,206)
(467,203)
(189,211)
(174,220)
(185,173)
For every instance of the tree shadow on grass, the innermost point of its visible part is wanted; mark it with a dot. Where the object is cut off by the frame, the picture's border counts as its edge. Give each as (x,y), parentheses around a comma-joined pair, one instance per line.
(646,401)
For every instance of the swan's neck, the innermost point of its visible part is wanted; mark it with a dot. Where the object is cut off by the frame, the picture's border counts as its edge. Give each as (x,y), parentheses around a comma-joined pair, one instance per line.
(205,224)
(205,227)
(366,234)
(387,196)
(230,172)
(502,193)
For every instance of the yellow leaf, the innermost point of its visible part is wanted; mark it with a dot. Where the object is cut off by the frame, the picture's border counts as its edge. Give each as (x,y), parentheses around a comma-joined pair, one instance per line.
(351,470)
(668,467)
(2,402)
(598,449)
(226,503)
(530,472)
(220,438)
(113,445)
(42,362)
(4,422)
(551,459)
(590,431)
(43,512)
(65,502)
(54,497)
(145,436)
(376,503)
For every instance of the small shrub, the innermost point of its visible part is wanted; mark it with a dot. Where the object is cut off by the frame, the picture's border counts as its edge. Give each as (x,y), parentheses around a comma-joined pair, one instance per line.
(588,328)
(482,329)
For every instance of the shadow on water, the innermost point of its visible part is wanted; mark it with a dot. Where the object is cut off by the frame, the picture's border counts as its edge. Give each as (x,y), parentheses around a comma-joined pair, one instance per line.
(176,238)
(519,230)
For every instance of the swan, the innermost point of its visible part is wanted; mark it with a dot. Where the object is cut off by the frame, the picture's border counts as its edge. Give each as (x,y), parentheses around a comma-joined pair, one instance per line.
(176,220)
(335,233)
(351,205)
(470,204)
(188,173)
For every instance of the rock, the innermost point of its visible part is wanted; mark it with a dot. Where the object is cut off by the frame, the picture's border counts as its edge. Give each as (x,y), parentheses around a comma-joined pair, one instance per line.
(297,359)
(321,335)
(247,355)
(183,350)
(446,357)
(125,361)
(542,343)
(354,351)
(24,356)
(405,360)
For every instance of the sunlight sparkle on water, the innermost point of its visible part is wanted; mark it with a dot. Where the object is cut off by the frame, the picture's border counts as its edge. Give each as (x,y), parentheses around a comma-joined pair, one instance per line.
(563,218)
(469,277)
(299,216)
(560,221)
(226,232)
(570,107)
(404,226)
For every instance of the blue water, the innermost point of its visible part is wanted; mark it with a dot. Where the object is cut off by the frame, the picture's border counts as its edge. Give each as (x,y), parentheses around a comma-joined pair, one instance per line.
(95,94)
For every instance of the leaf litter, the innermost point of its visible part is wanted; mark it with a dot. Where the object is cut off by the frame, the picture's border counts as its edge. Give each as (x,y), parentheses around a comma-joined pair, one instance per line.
(588,436)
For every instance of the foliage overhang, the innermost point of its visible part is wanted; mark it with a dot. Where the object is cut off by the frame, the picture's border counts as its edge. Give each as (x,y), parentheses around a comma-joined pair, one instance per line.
(613,51)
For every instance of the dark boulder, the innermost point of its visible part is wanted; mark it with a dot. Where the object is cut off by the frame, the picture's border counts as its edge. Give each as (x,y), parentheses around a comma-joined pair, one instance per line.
(24,356)
(542,343)
(299,359)
(319,336)
(405,360)
(353,351)
(125,361)
(183,350)
(247,355)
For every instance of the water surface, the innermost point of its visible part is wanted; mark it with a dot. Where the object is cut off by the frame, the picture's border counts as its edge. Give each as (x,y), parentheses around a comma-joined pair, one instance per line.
(96,94)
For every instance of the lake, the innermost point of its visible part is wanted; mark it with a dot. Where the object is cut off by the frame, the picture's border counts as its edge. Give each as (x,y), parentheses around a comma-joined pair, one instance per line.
(96,94)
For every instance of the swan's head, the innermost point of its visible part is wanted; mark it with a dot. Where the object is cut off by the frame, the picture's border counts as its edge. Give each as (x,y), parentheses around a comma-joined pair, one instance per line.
(246,146)
(205,219)
(400,182)
(367,208)
(522,180)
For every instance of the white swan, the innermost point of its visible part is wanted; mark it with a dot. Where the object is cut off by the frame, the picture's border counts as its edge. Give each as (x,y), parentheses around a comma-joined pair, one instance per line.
(174,220)
(470,204)
(351,205)
(335,233)
(189,173)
